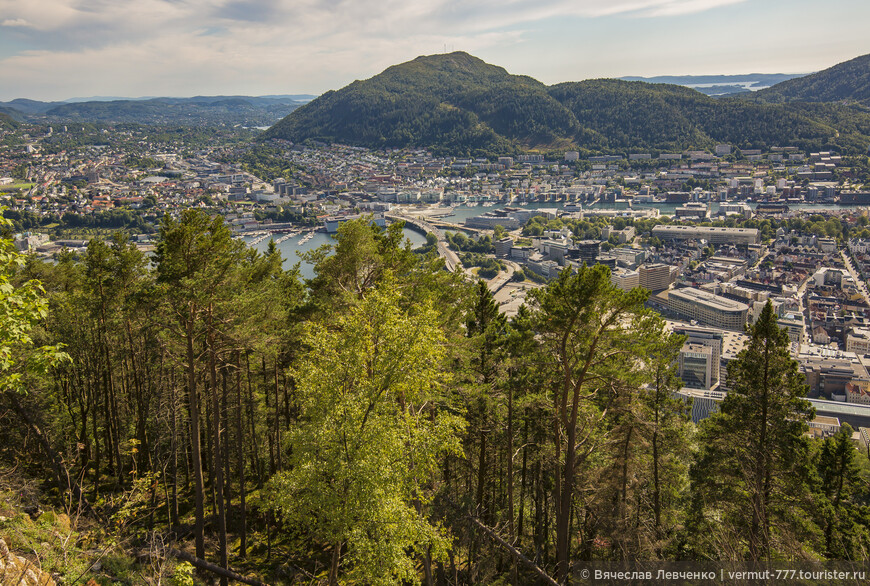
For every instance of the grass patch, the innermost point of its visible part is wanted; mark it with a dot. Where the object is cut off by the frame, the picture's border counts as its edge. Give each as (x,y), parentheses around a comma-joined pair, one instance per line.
(16,186)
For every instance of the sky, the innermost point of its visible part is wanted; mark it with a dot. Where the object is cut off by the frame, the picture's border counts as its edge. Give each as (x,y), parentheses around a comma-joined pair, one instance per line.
(61,49)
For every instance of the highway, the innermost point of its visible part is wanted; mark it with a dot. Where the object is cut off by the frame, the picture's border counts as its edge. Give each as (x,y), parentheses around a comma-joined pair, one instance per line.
(451,259)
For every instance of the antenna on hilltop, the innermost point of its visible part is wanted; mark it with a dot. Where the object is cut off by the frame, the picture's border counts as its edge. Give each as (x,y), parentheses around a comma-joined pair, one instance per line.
(445,48)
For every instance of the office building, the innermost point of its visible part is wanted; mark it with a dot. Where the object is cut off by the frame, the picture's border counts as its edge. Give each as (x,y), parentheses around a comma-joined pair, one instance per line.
(858,341)
(696,366)
(624,279)
(707,308)
(712,234)
(713,339)
(655,277)
(503,247)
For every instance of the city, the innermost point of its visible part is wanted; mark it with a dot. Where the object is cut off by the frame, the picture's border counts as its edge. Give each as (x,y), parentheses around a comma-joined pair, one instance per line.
(442,294)
(712,255)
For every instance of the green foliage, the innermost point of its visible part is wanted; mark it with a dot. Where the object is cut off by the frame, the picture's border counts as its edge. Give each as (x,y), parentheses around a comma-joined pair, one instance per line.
(182,574)
(367,443)
(637,115)
(55,545)
(412,104)
(380,403)
(267,163)
(22,307)
(7,122)
(595,336)
(489,267)
(430,247)
(362,257)
(844,520)
(195,255)
(136,222)
(460,242)
(136,162)
(201,111)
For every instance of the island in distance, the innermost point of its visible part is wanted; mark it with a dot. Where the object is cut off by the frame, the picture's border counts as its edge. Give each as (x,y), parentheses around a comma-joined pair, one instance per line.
(721,85)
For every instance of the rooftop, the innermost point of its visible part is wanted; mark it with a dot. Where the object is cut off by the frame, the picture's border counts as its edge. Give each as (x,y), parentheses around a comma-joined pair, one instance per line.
(707,298)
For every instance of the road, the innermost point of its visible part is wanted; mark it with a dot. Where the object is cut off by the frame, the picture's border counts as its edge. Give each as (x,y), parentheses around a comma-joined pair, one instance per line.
(451,259)
(862,286)
(501,279)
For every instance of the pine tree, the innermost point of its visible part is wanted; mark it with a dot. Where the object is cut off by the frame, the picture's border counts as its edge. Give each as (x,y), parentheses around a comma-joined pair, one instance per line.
(196,258)
(750,482)
(596,335)
(845,529)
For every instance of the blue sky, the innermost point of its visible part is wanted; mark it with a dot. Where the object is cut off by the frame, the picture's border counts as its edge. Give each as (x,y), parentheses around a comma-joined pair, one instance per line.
(58,49)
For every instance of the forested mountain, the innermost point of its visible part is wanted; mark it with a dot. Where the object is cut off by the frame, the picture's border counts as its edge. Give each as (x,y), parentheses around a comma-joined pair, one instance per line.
(845,82)
(456,103)
(453,102)
(666,117)
(26,106)
(384,423)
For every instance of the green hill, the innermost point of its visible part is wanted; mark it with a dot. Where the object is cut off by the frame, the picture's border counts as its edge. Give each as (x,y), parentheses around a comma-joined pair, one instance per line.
(458,104)
(845,82)
(634,114)
(452,102)
(7,122)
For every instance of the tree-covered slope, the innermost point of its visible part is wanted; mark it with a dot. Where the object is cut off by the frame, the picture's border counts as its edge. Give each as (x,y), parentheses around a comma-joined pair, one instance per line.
(455,102)
(634,114)
(7,122)
(659,116)
(845,82)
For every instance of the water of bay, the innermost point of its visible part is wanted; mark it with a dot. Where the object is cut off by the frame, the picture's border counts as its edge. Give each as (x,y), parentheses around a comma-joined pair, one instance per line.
(290,248)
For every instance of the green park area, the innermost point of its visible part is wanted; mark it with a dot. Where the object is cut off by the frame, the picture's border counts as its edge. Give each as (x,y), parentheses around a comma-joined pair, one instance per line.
(15,187)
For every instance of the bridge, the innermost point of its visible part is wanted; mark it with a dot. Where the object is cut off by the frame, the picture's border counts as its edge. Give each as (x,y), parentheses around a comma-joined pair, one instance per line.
(451,260)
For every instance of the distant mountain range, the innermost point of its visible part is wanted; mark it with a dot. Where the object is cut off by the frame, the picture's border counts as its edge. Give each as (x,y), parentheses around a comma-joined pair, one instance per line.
(293,97)
(456,103)
(721,85)
(228,110)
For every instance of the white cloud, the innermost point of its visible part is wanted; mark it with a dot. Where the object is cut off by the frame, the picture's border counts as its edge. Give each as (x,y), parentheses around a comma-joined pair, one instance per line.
(686,7)
(14,22)
(182,47)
